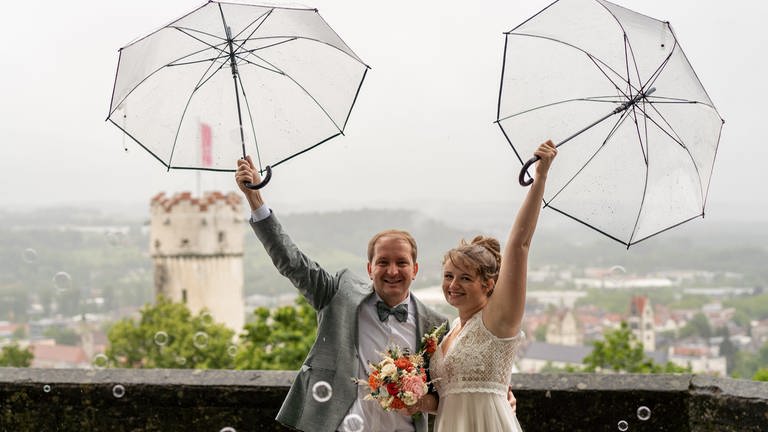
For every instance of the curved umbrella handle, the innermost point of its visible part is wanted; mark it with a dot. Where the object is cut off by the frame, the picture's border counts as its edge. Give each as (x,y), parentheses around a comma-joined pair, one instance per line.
(263,183)
(524,171)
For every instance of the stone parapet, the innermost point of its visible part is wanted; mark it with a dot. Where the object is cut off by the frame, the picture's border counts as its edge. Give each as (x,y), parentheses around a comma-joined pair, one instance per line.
(211,400)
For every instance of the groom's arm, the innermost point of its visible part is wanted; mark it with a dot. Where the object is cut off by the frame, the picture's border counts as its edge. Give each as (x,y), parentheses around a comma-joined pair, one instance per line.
(312,281)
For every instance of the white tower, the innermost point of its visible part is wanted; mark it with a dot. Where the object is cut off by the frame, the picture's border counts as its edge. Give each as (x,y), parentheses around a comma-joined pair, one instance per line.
(641,321)
(196,245)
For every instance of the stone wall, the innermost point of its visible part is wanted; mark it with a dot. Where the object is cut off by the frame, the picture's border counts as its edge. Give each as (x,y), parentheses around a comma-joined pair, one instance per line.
(197,400)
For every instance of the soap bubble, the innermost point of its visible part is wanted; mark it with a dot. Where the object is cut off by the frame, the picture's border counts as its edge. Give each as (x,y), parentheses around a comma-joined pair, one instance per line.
(100,361)
(161,338)
(643,413)
(352,423)
(118,391)
(62,281)
(623,426)
(200,340)
(29,256)
(322,391)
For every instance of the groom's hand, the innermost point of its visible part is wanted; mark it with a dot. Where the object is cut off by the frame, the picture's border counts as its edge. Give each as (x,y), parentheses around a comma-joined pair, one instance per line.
(512,400)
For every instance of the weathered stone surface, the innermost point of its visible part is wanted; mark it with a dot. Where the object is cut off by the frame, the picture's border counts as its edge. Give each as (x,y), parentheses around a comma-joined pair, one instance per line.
(210,400)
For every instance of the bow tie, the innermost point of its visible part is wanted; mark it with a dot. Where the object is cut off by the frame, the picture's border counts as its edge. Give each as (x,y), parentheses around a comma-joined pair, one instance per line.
(400,311)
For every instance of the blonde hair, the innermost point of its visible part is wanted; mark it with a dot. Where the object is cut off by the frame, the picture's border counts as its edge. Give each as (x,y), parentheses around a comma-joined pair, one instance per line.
(398,234)
(481,256)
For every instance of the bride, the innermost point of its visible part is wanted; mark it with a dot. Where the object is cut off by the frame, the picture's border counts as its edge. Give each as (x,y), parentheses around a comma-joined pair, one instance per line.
(472,366)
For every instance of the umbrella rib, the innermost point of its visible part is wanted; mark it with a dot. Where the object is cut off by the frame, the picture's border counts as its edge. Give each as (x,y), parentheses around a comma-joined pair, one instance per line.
(202,81)
(263,17)
(139,143)
(501,83)
(185,30)
(588,225)
(621,119)
(357,93)
(646,158)
(679,141)
(626,53)
(244,61)
(153,73)
(666,229)
(297,37)
(595,61)
(304,90)
(305,150)
(574,47)
(586,99)
(253,126)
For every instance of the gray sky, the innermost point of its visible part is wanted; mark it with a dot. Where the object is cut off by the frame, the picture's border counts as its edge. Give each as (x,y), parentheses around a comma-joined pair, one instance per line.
(422,130)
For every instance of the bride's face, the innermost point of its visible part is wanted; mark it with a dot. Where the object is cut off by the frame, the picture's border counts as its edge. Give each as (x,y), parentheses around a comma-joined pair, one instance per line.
(463,289)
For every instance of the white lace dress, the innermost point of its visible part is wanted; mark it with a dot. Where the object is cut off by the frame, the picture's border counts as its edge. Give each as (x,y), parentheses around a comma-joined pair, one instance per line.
(472,379)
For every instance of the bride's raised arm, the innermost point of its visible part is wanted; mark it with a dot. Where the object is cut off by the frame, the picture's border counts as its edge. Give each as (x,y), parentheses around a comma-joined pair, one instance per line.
(504,312)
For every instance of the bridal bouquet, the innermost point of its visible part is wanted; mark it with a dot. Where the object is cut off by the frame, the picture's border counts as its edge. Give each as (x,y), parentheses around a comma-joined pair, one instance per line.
(400,378)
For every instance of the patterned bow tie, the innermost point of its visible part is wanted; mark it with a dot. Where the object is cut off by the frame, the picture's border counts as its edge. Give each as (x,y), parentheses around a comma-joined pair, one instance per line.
(400,311)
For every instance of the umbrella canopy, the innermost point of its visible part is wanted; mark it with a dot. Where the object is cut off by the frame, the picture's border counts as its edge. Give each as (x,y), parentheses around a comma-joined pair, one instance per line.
(230,79)
(644,163)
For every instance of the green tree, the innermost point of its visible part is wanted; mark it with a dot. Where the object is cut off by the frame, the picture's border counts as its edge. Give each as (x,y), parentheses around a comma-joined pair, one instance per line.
(761,375)
(168,335)
(620,351)
(12,355)
(278,339)
(727,348)
(747,364)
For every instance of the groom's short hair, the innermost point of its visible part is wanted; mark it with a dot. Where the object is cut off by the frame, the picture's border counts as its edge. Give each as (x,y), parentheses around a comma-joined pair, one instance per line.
(399,234)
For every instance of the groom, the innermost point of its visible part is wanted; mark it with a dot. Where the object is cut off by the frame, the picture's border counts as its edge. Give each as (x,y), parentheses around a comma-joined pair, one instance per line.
(357,320)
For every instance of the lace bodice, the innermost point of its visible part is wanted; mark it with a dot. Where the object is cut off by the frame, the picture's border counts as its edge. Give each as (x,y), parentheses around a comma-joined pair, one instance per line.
(477,361)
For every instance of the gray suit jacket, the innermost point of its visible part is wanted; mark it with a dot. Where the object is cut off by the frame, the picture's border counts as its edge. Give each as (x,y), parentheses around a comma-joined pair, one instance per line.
(333,357)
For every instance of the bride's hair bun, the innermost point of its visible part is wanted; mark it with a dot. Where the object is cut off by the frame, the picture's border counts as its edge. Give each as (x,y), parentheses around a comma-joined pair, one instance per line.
(491,245)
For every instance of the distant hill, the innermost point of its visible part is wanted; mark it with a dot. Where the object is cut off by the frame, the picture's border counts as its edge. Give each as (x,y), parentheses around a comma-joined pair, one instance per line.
(338,239)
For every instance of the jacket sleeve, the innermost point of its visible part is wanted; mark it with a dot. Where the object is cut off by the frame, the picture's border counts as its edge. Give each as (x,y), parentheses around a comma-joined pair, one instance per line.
(312,281)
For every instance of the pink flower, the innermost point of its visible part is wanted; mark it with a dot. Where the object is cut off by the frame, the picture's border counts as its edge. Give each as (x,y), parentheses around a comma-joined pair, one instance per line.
(413,384)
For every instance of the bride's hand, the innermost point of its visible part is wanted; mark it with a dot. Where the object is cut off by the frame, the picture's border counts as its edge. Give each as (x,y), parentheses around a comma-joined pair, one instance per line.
(427,403)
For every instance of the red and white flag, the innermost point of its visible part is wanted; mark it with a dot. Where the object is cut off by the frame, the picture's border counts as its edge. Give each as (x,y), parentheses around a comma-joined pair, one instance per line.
(206,144)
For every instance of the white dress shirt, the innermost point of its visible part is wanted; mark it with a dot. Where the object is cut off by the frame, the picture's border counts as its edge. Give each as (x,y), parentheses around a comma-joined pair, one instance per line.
(374,336)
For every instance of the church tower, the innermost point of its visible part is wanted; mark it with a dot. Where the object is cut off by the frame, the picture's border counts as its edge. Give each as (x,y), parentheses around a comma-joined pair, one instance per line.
(196,246)
(641,321)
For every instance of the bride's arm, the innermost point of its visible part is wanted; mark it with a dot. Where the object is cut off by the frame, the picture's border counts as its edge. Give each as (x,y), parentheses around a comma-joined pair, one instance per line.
(504,312)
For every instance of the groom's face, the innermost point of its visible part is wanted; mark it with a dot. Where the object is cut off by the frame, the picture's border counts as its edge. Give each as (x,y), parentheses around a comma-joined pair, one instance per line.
(392,269)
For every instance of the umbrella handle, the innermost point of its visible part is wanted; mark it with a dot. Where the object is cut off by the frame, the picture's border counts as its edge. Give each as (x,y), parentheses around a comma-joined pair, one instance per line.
(256,186)
(523,181)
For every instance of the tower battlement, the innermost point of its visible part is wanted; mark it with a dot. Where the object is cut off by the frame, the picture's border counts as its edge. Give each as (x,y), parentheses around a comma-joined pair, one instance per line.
(183,225)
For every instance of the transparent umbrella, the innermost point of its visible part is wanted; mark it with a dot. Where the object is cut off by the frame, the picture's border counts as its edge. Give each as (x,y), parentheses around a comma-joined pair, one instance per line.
(615,85)
(230,79)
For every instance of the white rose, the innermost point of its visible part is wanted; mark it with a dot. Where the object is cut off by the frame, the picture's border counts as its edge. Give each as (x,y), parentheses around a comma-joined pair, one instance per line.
(408,398)
(385,402)
(389,371)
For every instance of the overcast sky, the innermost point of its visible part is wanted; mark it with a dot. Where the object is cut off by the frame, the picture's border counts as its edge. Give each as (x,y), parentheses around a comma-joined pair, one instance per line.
(422,130)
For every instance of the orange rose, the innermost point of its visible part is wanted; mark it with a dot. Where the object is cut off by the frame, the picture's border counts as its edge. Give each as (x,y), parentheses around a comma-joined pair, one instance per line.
(373,380)
(430,346)
(397,404)
(404,363)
